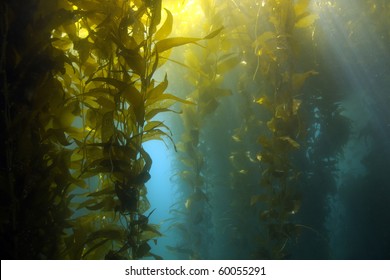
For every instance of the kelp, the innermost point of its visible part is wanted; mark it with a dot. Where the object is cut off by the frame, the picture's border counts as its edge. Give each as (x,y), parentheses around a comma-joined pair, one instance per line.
(203,66)
(97,60)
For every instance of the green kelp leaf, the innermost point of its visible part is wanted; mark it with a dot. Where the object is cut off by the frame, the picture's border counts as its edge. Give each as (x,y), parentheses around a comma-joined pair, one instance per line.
(106,191)
(301,6)
(166,28)
(63,43)
(166,96)
(227,64)
(156,124)
(94,247)
(306,21)
(151,113)
(197,196)
(157,91)
(107,103)
(86,203)
(149,232)
(298,79)
(134,97)
(282,112)
(170,43)
(134,60)
(292,142)
(110,233)
(272,125)
(110,81)
(263,38)
(214,33)
(296,105)
(157,134)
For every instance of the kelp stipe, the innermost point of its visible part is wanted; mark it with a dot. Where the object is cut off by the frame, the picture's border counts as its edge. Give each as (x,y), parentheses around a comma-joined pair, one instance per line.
(204,77)
(271,60)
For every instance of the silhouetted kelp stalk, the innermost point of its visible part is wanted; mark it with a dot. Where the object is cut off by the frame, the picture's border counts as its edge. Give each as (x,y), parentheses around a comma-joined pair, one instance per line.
(205,67)
(274,51)
(35,159)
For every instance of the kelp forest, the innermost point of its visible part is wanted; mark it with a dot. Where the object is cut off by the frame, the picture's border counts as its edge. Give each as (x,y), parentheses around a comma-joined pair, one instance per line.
(270,118)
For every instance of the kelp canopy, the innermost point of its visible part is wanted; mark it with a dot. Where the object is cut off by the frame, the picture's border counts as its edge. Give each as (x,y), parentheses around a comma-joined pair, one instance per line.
(258,138)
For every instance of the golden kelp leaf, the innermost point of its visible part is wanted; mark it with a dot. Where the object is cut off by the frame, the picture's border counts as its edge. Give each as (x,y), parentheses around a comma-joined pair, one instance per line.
(261,100)
(188,203)
(148,235)
(227,64)
(166,28)
(109,81)
(156,91)
(155,134)
(153,125)
(271,125)
(134,60)
(292,142)
(296,104)
(106,103)
(300,7)
(83,33)
(198,195)
(261,40)
(151,113)
(63,43)
(282,112)
(214,33)
(111,232)
(298,79)
(236,138)
(208,106)
(132,95)
(166,96)
(306,21)
(170,43)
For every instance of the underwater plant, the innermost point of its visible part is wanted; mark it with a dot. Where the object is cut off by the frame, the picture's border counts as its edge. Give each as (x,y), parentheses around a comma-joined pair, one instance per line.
(87,111)
(205,67)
